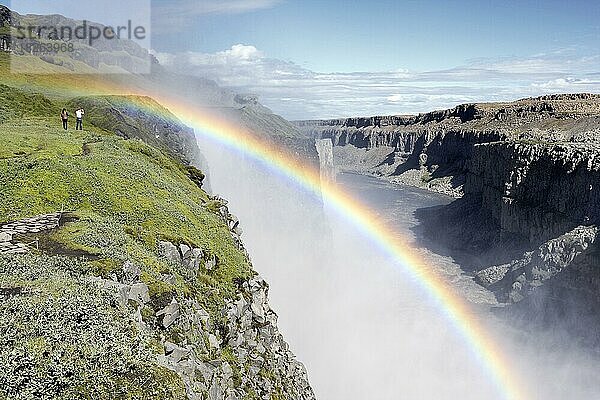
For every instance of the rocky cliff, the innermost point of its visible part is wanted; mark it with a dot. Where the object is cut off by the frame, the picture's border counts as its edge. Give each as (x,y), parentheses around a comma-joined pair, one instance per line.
(143,289)
(527,175)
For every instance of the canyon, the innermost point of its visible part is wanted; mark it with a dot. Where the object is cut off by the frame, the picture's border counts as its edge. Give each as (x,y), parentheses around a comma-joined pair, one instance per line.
(173,280)
(525,177)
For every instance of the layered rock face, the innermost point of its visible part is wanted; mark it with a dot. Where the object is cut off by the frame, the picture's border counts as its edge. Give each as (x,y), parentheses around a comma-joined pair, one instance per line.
(536,190)
(537,151)
(528,174)
(446,138)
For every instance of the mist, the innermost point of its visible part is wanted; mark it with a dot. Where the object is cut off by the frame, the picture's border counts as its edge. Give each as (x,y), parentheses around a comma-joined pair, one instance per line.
(357,320)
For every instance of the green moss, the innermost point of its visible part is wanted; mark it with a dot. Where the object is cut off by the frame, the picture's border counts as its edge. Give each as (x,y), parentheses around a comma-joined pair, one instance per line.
(105,267)
(36,139)
(214,205)
(156,287)
(227,355)
(128,181)
(157,383)
(17,104)
(37,346)
(148,315)
(70,237)
(128,195)
(251,394)
(72,339)
(156,346)
(278,395)
(175,335)
(267,374)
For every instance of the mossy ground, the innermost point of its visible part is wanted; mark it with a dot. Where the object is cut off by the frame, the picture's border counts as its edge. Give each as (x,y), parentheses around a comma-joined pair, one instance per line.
(62,337)
(127,196)
(44,169)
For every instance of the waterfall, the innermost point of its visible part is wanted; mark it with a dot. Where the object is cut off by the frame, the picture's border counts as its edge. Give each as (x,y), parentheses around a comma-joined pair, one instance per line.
(325,150)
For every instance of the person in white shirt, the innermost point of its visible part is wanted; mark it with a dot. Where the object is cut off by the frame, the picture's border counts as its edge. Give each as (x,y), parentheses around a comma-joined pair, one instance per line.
(79,116)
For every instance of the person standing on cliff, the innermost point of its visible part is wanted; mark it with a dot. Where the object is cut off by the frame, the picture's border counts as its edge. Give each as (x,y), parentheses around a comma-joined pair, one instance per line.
(79,116)
(64,115)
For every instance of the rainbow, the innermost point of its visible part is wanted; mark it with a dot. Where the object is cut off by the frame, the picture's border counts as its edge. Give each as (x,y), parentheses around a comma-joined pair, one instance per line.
(370,224)
(457,311)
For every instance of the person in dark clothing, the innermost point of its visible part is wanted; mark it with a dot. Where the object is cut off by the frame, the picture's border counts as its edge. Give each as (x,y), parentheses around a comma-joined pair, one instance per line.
(79,117)
(64,115)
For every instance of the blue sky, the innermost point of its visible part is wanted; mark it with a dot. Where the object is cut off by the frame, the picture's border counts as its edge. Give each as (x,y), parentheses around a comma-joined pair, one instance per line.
(382,35)
(334,58)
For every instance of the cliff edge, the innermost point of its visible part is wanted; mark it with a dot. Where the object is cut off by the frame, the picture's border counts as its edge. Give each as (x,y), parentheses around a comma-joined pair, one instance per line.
(120,277)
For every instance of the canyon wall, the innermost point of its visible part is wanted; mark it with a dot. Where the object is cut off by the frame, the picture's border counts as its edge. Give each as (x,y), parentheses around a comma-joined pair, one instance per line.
(526,174)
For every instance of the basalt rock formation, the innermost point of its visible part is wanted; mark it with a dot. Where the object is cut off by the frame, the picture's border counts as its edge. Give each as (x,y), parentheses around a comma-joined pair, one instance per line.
(527,175)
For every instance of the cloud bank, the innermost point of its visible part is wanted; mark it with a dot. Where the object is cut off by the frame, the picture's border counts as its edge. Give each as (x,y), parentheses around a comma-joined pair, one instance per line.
(299,93)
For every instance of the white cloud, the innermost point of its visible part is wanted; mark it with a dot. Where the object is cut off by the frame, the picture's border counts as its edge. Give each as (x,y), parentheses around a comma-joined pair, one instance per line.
(298,93)
(568,83)
(238,54)
(242,52)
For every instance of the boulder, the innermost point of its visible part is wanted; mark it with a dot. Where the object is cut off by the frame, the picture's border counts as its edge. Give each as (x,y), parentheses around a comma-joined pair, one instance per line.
(207,370)
(120,291)
(185,249)
(213,341)
(169,251)
(195,259)
(203,315)
(169,278)
(139,293)
(258,305)
(170,314)
(215,392)
(131,272)
(5,237)
(175,353)
(211,263)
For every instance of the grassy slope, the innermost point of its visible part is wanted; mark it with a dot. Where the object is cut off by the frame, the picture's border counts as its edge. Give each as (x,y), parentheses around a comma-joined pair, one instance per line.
(44,169)
(128,195)
(58,83)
